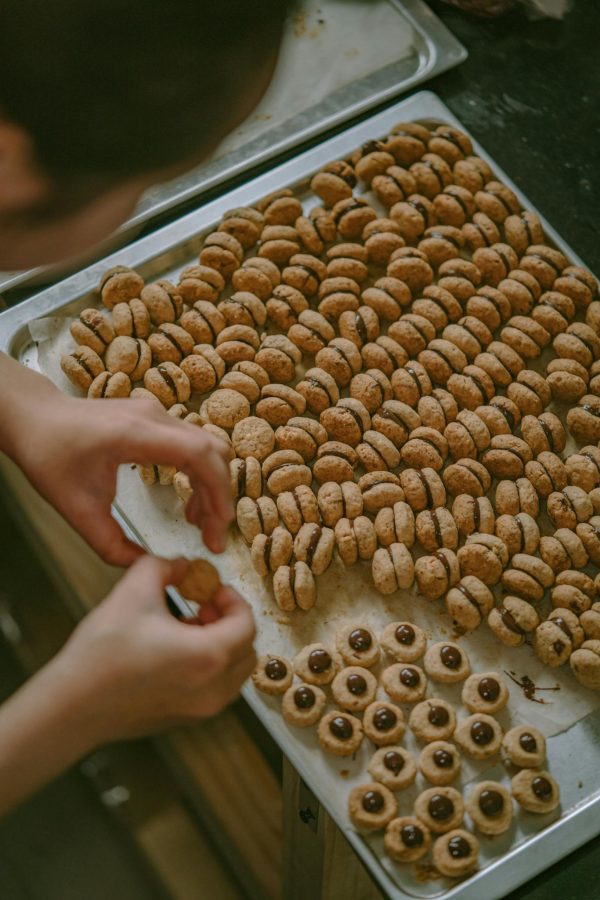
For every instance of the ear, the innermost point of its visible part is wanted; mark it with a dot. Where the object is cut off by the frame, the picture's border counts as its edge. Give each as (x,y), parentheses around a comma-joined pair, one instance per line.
(21,181)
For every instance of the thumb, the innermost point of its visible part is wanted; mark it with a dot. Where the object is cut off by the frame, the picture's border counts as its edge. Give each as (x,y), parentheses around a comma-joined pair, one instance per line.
(145,581)
(106,537)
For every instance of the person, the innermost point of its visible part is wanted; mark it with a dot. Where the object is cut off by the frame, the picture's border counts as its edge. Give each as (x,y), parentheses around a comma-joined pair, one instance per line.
(97,102)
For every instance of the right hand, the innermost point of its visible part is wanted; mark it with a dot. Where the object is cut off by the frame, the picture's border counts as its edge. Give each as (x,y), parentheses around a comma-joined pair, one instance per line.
(134,669)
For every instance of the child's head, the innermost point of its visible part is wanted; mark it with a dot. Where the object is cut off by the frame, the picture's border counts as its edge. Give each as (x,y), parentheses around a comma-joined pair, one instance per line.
(98,100)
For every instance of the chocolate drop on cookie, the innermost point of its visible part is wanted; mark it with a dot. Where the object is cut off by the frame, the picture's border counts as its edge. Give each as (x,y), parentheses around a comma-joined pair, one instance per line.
(319,661)
(356,684)
(528,743)
(438,715)
(440,808)
(372,801)
(491,803)
(304,698)
(458,848)
(443,759)
(405,634)
(393,761)
(409,677)
(341,728)
(412,836)
(488,689)
(451,657)
(541,787)
(275,670)
(482,733)
(385,719)
(360,639)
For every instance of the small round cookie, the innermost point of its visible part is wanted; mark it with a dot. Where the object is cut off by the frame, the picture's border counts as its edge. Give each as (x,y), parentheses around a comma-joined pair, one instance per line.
(567,379)
(566,549)
(553,643)
(341,359)
(256,516)
(312,332)
(490,807)
(528,577)
(410,382)
(314,545)
(583,468)
(579,342)
(573,594)
(497,201)
(473,514)
(162,300)
(439,763)
(425,448)
(436,528)
(354,688)
(535,790)
(456,854)
(131,318)
(319,390)
(169,383)
(513,497)
(347,421)
(316,664)
(301,434)
(246,478)
(392,569)
(590,622)
(226,408)
(406,839)
(547,473)
(106,385)
(545,432)
(200,582)
(384,354)
(298,506)
(253,437)
(335,462)
(485,692)
(360,326)
(507,456)
(246,377)
(372,388)
(432,720)
(585,664)
(423,488)
(340,733)
(447,663)
(467,476)
(93,330)
(479,736)
(467,436)
(377,453)
(392,766)
(489,305)
(404,682)
(437,410)
(294,586)
(380,490)
(437,573)
(501,363)
(339,501)
(583,420)
(388,298)
(578,284)
(284,470)
(469,602)
(357,645)
(383,723)
(272,675)
(520,533)
(485,556)
(501,415)
(512,620)
(524,746)
(395,525)
(441,809)
(199,283)
(279,403)
(303,705)
(119,284)
(334,182)
(371,806)
(403,641)
(269,552)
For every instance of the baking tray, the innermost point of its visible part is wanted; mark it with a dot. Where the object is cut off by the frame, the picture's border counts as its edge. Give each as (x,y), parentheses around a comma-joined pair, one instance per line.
(574,752)
(434,50)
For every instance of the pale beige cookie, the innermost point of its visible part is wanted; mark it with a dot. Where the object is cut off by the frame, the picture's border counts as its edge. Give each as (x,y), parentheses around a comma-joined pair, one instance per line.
(256,516)
(270,552)
(512,620)
(294,586)
(314,546)
(355,539)
(371,806)
(118,284)
(585,664)
(226,408)
(82,366)
(440,808)
(339,501)
(437,573)
(285,470)
(392,568)
(357,645)
(93,330)
(479,736)
(439,763)
(393,766)
(340,733)
(106,386)
(456,854)
(447,662)
(383,723)
(297,507)
(524,746)
(169,383)
(396,525)
(245,478)
(354,688)
(483,555)
(485,692)
(129,355)
(200,582)
(253,437)
(407,839)
(404,683)
(303,705)
(535,790)
(403,641)
(469,602)
(273,674)
(490,807)
(316,664)
(432,720)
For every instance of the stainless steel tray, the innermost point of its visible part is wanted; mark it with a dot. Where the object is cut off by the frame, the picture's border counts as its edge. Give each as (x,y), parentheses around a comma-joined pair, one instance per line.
(434,50)
(575,752)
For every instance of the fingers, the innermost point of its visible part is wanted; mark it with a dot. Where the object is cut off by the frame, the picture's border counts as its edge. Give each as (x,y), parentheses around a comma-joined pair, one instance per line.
(105,536)
(146,579)
(234,631)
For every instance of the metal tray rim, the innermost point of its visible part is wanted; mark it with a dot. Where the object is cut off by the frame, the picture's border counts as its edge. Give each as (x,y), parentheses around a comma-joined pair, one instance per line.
(580,823)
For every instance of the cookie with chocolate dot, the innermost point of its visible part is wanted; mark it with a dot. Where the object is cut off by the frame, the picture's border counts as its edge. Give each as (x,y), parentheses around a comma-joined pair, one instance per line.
(391,765)
(384,724)
(403,641)
(432,720)
(354,688)
(392,568)
(406,839)
(441,809)
(479,736)
(294,587)
(456,854)
(469,602)
(316,664)
(528,577)
(485,692)
(436,574)
(340,734)
(535,790)
(513,620)
(404,682)
(371,806)
(467,436)
(357,645)
(272,675)
(439,763)
(473,514)
(303,705)
(490,807)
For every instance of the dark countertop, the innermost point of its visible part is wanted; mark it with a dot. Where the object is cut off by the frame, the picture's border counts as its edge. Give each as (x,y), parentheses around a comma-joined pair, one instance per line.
(530,93)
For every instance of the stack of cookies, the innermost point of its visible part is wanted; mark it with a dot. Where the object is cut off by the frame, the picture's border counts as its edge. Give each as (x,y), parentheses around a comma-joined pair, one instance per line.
(381,368)
(356,672)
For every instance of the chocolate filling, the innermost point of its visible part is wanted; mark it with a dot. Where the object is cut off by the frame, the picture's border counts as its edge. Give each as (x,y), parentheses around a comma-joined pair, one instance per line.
(384,719)
(169,380)
(275,670)
(451,657)
(356,684)
(491,803)
(304,697)
(541,787)
(405,634)
(412,836)
(341,728)
(488,689)
(393,761)
(440,808)
(372,802)
(548,262)
(442,557)
(409,677)
(313,544)
(428,495)
(528,743)
(467,593)
(361,328)
(360,639)
(482,733)
(438,716)
(443,759)
(459,848)
(319,661)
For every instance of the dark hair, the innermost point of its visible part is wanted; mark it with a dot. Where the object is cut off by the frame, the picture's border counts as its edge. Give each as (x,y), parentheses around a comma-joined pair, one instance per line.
(111,88)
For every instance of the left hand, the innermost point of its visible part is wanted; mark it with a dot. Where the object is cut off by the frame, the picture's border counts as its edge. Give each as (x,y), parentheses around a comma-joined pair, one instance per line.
(70,450)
